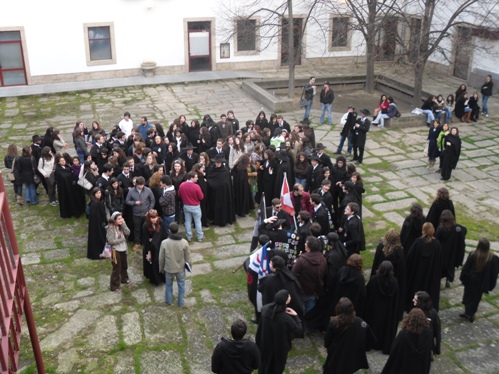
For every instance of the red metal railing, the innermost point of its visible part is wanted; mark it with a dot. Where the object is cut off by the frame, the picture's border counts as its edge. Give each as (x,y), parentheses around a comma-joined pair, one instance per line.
(14,296)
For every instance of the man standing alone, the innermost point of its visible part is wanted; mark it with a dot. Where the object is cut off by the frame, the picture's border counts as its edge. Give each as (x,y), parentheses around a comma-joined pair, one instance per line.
(173,254)
(327,98)
(309,91)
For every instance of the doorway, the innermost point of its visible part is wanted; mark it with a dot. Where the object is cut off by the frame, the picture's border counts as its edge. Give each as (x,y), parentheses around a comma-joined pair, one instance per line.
(463,53)
(12,69)
(199,41)
(297,37)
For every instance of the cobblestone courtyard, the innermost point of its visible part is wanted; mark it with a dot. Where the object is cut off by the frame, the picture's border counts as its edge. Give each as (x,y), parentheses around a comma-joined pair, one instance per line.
(83,327)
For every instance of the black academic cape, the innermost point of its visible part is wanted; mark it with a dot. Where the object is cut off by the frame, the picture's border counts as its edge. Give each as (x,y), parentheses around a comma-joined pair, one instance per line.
(243,200)
(411,230)
(436,210)
(235,356)
(359,133)
(221,200)
(410,353)
(453,245)
(451,155)
(383,306)
(424,263)
(151,241)
(96,230)
(274,336)
(398,260)
(350,283)
(266,178)
(281,280)
(282,167)
(70,195)
(321,216)
(346,349)
(353,235)
(477,282)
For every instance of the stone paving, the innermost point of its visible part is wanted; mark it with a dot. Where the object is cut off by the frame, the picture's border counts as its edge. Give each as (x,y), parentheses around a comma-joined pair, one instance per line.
(85,328)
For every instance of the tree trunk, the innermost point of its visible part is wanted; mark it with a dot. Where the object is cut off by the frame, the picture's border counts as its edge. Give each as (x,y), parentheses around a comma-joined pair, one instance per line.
(370,46)
(418,84)
(291,49)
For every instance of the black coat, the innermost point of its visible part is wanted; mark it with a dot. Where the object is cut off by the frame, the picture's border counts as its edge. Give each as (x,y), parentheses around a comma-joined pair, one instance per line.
(477,282)
(152,242)
(321,216)
(283,279)
(410,353)
(96,230)
(451,155)
(266,178)
(70,195)
(453,246)
(436,210)
(282,168)
(353,235)
(243,199)
(235,356)
(359,133)
(315,178)
(274,336)
(346,349)
(411,230)
(221,201)
(424,263)
(24,170)
(350,283)
(398,260)
(383,309)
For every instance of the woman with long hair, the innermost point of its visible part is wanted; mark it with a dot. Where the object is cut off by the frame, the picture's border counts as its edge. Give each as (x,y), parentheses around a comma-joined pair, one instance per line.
(433,151)
(59,143)
(158,149)
(235,152)
(177,175)
(423,301)
(70,195)
(347,338)
(148,168)
(80,144)
(441,146)
(114,197)
(46,167)
(452,151)
(204,140)
(24,172)
(94,130)
(411,350)
(96,225)
(243,199)
(302,169)
(383,306)
(462,108)
(193,132)
(267,174)
(171,155)
(452,238)
(382,105)
(261,120)
(153,233)
(390,249)
(412,226)
(48,138)
(424,265)
(116,234)
(479,275)
(10,160)
(442,201)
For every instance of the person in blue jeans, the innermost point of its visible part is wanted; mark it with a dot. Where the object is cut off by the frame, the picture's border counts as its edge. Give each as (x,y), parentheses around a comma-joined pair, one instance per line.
(309,91)
(326,98)
(173,255)
(191,195)
(167,201)
(348,122)
(486,91)
(24,172)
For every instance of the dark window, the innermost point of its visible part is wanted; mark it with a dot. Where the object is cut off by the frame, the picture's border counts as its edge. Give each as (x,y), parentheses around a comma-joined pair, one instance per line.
(99,39)
(246,35)
(340,32)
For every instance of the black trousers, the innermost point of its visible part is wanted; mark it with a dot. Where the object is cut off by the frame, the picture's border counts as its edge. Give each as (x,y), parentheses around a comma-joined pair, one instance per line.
(119,274)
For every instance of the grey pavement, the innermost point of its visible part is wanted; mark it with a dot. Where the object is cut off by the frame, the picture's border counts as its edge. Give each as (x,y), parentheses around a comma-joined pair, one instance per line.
(84,327)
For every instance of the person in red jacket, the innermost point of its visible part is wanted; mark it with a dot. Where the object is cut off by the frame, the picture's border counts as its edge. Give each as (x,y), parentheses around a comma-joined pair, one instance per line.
(191,196)
(301,199)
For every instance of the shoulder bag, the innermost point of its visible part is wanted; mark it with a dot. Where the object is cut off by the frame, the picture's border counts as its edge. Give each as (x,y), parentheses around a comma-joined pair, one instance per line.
(83,182)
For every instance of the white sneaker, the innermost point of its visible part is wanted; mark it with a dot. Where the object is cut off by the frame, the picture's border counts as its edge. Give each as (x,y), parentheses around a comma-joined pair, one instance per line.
(486,116)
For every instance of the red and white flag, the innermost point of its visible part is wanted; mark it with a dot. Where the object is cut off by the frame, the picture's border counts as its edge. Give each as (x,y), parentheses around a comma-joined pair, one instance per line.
(286,201)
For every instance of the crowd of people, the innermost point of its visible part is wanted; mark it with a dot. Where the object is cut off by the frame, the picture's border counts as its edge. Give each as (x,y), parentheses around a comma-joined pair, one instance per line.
(138,183)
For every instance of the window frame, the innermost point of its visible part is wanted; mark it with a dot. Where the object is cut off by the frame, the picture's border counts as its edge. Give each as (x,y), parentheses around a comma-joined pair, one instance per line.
(110,61)
(348,45)
(254,52)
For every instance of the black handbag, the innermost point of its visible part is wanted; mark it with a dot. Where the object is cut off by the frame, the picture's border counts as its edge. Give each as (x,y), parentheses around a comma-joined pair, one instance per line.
(303,101)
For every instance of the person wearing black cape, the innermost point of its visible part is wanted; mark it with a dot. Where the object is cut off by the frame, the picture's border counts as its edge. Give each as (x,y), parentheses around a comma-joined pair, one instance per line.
(266,176)
(350,283)
(442,201)
(383,306)
(97,223)
(411,350)
(70,195)
(424,264)
(221,201)
(281,279)
(243,199)
(452,146)
(282,170)
(153,234)
(412,226)
(452,238)
(423,301)
(278,326)
(391,250)
(479,275)
(347,338)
